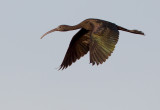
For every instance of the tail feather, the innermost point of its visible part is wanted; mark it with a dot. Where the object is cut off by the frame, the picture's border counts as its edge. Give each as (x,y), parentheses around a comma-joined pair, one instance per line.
(131,31)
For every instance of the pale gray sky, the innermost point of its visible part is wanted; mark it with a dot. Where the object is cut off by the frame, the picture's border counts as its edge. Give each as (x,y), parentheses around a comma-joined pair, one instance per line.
(29,80)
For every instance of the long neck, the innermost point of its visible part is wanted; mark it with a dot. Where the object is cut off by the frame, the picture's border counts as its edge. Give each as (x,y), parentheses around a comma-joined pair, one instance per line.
(73,27)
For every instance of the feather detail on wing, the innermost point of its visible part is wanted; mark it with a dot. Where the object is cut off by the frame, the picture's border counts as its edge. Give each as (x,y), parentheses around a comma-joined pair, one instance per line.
(79,46)
(103,43)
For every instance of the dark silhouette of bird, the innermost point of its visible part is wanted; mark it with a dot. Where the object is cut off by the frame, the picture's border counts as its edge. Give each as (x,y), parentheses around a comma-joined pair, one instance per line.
(97,36)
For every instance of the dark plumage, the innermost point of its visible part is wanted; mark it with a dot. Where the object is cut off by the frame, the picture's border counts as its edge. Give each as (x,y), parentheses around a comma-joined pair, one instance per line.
(95,35)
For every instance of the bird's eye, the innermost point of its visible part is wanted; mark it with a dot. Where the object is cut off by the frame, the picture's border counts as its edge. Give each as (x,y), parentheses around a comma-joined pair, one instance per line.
(59,26)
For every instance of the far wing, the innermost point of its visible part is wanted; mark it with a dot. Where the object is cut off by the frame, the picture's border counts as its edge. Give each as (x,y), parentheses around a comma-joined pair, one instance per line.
(102,44)
(79,46)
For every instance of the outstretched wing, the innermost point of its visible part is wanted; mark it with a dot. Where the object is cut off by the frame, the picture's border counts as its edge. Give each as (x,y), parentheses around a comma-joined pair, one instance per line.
(79,46)
(103,41)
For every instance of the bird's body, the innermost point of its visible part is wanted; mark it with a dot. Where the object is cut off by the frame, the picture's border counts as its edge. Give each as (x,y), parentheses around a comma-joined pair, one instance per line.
(97,36)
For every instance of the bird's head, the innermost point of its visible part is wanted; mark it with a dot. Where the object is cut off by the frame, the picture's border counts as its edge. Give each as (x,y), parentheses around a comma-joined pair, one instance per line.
(62,28)
(59,28)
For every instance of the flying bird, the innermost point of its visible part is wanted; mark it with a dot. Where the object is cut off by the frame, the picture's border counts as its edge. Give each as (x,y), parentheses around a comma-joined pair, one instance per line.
(97,36)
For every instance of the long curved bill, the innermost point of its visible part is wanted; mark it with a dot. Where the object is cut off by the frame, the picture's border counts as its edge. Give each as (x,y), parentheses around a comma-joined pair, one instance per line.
(49,32)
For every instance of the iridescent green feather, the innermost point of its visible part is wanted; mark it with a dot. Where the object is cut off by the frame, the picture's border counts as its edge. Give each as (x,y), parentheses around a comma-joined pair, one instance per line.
(102,45)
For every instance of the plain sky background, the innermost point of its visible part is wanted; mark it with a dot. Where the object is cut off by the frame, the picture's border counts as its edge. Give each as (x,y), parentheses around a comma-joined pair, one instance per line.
(29,79)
